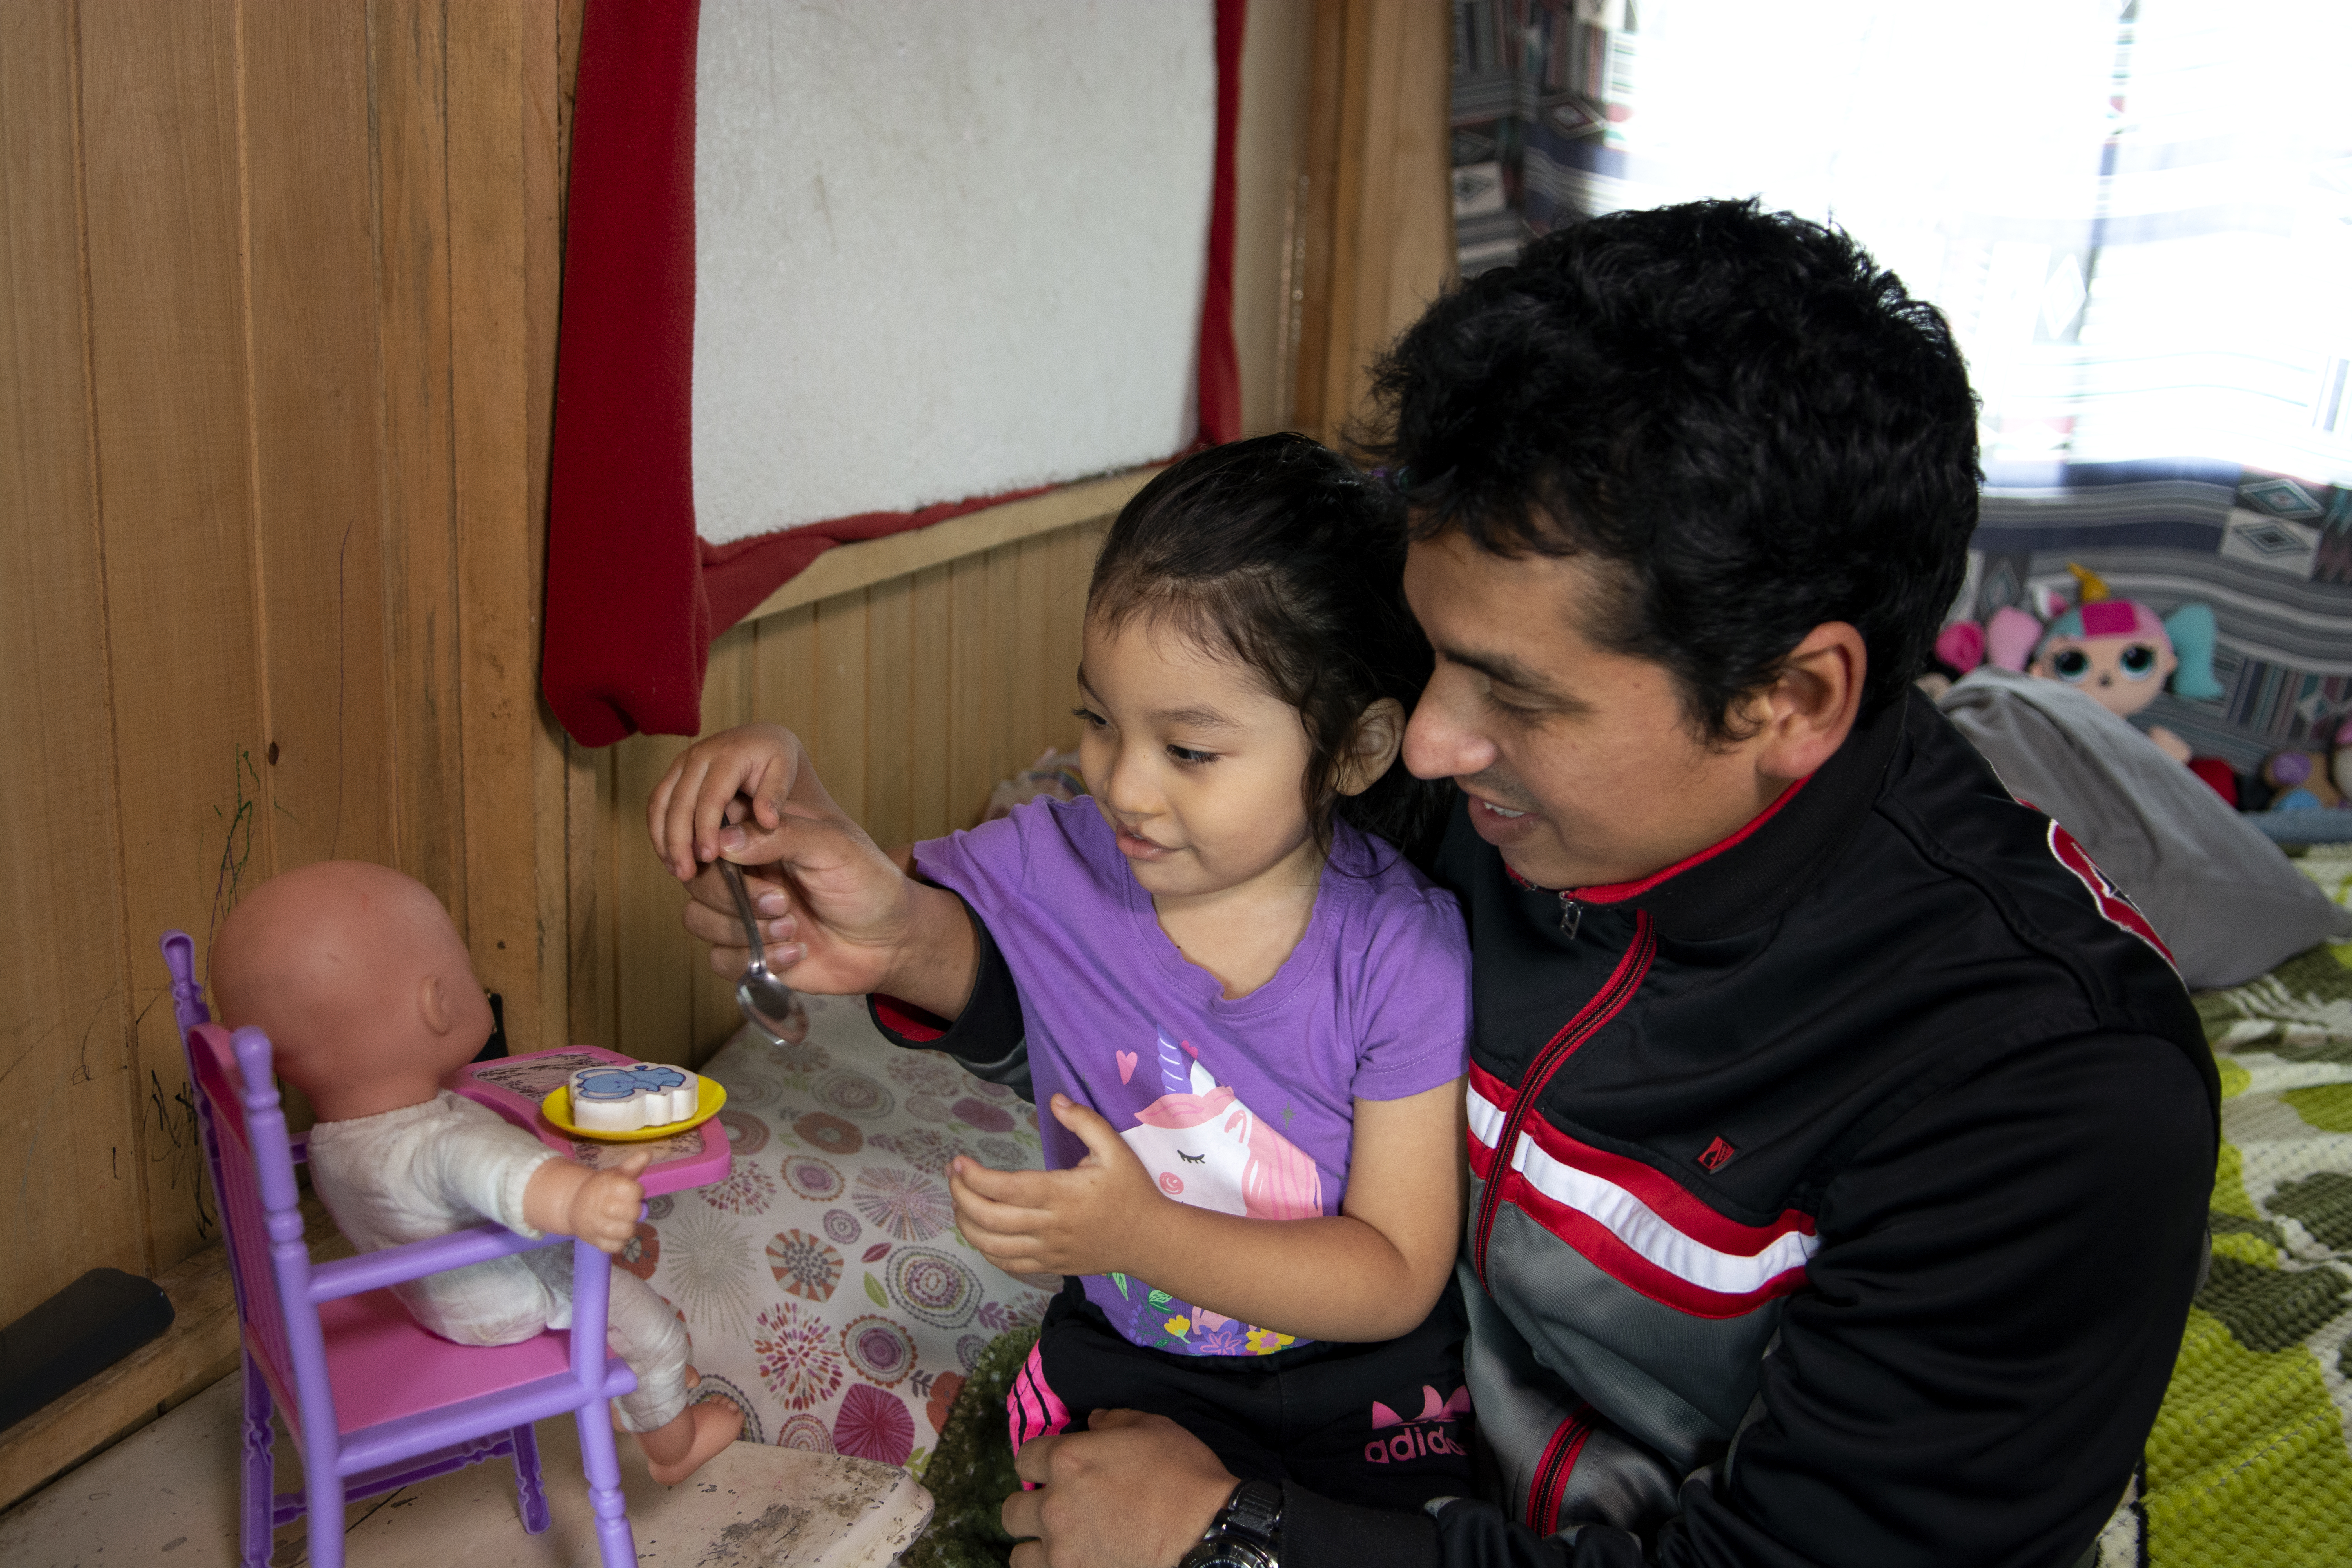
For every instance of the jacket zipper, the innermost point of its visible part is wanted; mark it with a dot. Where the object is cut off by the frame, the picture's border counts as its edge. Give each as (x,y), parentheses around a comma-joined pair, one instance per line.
(1559,1458)
(1623,981)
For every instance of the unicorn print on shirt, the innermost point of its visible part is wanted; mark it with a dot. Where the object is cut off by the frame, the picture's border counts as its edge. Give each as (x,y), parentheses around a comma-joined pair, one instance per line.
(1207,1148)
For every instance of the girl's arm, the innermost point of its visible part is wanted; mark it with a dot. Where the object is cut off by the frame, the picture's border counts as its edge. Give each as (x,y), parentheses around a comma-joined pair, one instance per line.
(837,916)
(1371,1273)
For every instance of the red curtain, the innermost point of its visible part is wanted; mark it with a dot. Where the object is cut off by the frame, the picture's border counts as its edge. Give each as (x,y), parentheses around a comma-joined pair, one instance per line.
(634,597)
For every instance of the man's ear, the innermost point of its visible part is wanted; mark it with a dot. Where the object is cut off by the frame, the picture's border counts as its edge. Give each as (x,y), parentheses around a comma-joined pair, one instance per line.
(433,1006)
(1380,731)
(1807,712)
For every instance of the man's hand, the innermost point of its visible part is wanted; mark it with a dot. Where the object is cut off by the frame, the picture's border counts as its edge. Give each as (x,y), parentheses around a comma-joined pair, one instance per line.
(564,1197)
(836,915)
(1082,1220)
(1133,1491)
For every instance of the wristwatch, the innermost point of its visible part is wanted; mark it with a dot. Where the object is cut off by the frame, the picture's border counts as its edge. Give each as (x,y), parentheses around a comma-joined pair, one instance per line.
(1246,1532)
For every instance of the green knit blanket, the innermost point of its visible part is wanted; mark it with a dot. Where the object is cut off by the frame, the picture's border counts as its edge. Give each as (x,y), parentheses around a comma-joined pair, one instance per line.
(2248,1466)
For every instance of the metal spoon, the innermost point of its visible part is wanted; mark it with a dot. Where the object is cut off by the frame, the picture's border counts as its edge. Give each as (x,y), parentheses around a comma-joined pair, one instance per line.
(766,1001)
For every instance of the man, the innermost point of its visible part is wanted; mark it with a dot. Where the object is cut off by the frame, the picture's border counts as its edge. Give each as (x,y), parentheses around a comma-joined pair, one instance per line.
(1841,1139)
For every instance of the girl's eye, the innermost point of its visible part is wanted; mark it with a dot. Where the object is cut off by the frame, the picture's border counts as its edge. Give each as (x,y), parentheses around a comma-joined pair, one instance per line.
(1186,754)
(2139,661)
(2072,663)
(1092,719)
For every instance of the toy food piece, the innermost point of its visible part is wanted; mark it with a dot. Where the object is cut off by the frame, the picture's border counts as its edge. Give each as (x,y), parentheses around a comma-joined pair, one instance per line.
(624,1099)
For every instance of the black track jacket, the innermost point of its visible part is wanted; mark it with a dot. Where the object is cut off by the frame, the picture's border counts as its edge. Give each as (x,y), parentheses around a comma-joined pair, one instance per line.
(1838,1194)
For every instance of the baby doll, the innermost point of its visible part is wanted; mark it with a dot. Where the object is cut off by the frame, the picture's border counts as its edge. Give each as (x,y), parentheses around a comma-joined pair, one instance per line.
(369,1000)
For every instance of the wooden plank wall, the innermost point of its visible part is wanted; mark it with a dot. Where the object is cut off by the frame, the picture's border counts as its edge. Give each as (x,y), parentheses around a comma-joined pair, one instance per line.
(270,540)
(1376,215)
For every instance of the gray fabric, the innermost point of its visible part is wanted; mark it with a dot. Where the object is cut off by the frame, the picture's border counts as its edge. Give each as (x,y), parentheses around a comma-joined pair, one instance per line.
(2227,902)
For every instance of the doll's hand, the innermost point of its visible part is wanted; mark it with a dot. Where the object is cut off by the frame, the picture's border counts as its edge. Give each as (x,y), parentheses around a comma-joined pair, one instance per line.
(1084,1220)
(603,1208)
(566,1198)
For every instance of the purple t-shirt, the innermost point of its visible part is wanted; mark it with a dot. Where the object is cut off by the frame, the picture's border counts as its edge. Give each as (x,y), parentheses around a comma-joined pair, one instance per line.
(1245,1106)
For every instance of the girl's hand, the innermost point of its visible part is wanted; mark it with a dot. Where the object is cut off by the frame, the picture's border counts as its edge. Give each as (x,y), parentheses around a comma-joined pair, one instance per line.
(688,810)
(1084,1220)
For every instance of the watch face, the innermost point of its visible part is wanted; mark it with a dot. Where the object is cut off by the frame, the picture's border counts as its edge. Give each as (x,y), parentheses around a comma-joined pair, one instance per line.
(1228,1554)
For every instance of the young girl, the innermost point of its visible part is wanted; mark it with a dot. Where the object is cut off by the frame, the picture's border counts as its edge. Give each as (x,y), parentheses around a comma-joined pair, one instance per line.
(1247,1013)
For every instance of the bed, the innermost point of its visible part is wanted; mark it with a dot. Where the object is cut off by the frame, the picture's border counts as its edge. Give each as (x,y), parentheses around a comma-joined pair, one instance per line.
(2248,1462)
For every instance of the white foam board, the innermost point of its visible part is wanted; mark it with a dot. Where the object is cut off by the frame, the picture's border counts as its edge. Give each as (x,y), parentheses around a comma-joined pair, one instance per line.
(942,250)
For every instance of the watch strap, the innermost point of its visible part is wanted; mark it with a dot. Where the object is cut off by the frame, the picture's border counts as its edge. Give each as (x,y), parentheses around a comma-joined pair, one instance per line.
(1253,1512)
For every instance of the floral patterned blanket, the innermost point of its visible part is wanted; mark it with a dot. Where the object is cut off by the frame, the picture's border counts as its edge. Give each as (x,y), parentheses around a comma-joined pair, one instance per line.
(824,1284)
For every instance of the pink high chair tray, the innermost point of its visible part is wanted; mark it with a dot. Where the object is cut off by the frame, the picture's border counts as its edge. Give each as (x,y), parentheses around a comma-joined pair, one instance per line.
(513,1087)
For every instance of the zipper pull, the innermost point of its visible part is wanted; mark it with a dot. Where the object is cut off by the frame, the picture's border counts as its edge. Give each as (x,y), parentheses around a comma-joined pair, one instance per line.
(1572,915)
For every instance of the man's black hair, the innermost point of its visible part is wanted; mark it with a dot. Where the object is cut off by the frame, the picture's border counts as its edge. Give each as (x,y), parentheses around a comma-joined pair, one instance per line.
(1744,420)
(1279,553)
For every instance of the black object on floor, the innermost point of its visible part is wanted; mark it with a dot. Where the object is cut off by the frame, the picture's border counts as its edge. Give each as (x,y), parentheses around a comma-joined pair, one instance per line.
(75,1335)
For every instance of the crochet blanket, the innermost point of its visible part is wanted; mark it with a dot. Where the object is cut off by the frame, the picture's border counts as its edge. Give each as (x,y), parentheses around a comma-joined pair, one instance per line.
(2248,1462)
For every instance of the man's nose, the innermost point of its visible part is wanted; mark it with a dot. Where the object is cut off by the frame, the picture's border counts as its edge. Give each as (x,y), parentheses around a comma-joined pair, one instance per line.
(1438,745)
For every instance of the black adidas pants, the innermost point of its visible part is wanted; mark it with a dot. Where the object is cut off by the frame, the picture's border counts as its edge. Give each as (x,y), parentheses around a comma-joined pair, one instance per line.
(1382,1424)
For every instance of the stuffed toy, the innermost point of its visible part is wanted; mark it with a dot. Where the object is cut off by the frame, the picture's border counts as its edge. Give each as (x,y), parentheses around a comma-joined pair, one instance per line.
(2312,780)
(2120,651)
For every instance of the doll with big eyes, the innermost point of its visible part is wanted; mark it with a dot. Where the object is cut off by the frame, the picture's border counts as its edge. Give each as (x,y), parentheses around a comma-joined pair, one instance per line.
(2121,653)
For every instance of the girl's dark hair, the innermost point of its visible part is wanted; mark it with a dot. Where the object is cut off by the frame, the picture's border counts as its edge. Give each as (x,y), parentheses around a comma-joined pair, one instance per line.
(1280,552)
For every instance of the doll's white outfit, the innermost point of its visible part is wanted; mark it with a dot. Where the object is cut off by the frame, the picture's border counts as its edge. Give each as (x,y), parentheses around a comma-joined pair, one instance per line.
(427,1170)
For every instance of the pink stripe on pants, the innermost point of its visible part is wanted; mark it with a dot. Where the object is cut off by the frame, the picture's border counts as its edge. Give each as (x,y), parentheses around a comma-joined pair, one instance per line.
(1032,1409)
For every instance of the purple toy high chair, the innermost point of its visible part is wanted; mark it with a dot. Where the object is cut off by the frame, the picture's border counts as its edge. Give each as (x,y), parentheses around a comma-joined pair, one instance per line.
(372,1399)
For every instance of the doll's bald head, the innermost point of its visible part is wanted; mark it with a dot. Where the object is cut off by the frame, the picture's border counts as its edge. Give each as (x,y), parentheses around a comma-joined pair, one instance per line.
(359,979)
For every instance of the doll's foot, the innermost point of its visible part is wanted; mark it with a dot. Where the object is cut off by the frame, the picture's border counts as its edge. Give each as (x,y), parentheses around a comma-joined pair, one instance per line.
(675,1451)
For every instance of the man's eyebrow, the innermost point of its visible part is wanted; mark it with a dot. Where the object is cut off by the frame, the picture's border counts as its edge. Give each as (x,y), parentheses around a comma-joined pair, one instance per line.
(1503,670)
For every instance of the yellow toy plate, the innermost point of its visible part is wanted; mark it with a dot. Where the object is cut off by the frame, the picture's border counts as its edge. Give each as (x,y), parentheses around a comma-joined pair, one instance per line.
(709,1095)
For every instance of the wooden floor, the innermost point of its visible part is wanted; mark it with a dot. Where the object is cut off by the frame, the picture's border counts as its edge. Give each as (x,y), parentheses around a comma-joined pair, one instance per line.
(169,1495)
